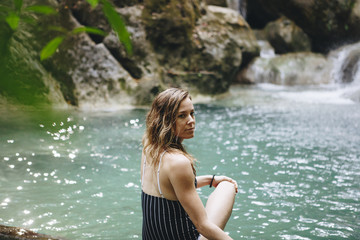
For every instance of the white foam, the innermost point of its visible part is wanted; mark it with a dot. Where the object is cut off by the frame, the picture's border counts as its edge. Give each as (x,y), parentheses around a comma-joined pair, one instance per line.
(269,86)
(317,97)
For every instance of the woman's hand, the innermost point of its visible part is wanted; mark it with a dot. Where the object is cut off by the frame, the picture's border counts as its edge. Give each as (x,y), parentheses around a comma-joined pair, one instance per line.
(219,179)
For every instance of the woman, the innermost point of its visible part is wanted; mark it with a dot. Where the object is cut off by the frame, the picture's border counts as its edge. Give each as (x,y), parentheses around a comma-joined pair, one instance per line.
(171,205)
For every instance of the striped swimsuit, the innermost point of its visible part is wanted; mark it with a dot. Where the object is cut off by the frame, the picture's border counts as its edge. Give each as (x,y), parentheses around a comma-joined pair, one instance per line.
(163,218)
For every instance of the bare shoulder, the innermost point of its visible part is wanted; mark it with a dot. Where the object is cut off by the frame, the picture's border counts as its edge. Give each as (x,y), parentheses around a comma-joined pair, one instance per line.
(179,171)
(177,160)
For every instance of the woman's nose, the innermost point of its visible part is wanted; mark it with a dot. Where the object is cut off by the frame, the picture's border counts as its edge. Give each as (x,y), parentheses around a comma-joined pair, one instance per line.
(191,119)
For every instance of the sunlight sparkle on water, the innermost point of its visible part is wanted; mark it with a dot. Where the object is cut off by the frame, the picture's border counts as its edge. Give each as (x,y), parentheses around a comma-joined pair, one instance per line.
(296,163)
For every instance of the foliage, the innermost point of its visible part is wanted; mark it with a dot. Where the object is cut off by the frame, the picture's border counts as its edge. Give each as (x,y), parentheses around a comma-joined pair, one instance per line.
(16,13)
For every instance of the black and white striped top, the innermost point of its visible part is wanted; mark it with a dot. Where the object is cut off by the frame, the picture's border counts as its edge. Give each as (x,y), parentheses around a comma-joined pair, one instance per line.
(165,219)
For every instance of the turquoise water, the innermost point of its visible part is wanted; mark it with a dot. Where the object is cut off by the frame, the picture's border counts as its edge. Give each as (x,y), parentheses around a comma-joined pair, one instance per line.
(295,153)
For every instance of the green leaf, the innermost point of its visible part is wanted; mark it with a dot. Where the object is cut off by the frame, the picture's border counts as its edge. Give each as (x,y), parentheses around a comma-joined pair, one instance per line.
(18,4)
(5,9)
(89,30)
(13,20)
(28,19)
(51,47)
(47,10)
(93,3)
(117,25)
(58,29)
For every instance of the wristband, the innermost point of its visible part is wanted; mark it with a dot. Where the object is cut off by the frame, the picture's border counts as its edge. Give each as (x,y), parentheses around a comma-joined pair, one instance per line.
(212,181)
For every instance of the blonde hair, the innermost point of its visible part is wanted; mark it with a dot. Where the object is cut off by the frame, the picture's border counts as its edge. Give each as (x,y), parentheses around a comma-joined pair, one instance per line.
(160,125)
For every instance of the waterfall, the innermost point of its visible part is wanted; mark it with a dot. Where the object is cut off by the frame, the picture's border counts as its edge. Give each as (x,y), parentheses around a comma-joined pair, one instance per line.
(345,65)
(233,4)
(345,62)
(335,75)
(237,5)
(242,8)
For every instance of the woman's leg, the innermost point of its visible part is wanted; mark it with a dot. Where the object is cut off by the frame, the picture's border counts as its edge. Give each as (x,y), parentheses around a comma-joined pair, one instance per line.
(220,204)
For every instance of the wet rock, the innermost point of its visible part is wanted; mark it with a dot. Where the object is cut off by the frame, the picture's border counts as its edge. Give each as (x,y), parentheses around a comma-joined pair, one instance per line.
(221,39)
(285,36)
(15,233)
(289,69)
(206,63)
(97,77)
(267,51)
(329,24)
(170,24)
(143,64)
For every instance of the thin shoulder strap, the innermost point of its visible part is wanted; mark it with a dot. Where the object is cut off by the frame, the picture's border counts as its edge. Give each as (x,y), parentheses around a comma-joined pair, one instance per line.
(142,178)
(158,172)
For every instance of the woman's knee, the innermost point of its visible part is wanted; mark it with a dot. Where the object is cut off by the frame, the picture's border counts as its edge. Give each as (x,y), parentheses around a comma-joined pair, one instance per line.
(227,187)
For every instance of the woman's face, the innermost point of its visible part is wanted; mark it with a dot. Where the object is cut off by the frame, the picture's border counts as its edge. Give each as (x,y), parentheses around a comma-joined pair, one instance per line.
(185,120)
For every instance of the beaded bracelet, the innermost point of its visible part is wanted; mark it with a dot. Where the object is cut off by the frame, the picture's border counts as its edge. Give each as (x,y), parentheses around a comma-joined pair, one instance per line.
(212,181)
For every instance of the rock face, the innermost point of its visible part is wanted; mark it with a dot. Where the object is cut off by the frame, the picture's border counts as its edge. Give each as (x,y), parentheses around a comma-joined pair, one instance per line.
(286,37)
(90,74)
(170,24)
(23,78)
(285,69)
(175,43)
(221,39)
(327,23)
(200,52)
(179,43)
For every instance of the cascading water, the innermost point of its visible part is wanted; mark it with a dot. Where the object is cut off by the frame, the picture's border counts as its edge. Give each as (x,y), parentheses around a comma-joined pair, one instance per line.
(237,5)
(335,76)
(345,65)
(233,4)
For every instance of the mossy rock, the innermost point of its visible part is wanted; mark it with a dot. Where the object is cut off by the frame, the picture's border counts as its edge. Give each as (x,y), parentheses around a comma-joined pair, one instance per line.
(170,23)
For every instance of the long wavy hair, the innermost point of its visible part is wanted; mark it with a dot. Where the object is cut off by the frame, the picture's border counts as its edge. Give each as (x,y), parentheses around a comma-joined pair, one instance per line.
(160,126)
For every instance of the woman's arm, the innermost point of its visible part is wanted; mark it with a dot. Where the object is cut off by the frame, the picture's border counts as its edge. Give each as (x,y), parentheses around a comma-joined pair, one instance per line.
(205,180)
(182,179)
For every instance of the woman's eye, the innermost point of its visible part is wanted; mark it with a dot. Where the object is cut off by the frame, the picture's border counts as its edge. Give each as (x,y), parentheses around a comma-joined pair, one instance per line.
(192,114)
(182,116)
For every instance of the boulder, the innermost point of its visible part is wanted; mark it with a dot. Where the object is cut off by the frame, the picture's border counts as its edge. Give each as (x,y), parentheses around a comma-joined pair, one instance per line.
(169,24)
(96,78)
(16,233)
(142,65)
(222,42)
(285,36)
(205,63)
(288,69)
(329,24)
(141,71)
